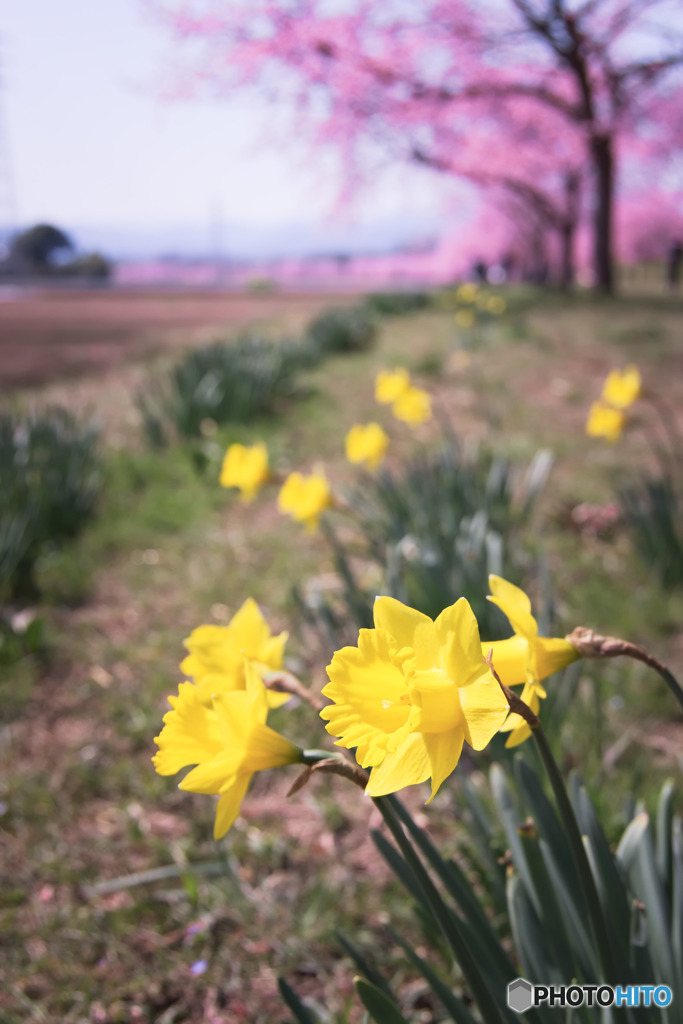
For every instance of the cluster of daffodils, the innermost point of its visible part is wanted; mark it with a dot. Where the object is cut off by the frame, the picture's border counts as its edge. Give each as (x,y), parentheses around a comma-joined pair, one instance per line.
(305,497)
(607,416)
(405,699)
(218,721)
(409,403)
(467,301)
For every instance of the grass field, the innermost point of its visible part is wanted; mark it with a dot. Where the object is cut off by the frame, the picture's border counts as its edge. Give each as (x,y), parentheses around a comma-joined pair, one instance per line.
(85,938)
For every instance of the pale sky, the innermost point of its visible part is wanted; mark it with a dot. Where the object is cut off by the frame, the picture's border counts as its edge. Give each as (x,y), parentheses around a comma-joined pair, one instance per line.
(86,141)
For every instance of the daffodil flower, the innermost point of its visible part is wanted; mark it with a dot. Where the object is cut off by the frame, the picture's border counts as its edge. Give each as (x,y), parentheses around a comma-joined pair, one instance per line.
(227,742)
(216,653)
(391,384)
(603,421)
(495,304)
(305,498)
(622,387)
(246,468)
(464,318)
(411,694)
(526,657)
(366,444)
(467,292)
(414,406)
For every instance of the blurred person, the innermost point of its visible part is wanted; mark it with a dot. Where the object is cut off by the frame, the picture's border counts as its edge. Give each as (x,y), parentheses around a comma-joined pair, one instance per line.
(673,263)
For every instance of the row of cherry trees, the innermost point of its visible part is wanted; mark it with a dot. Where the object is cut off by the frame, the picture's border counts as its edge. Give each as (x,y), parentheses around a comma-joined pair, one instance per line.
(549,106)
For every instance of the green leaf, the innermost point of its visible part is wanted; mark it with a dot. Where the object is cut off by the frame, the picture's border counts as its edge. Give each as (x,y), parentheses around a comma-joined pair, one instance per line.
(664,827)
(637,853)
(606,870)
(301,1013)
(528,933)
(511,820)
(677,899)
(382,1009)
(402,871)
(366,969)
(573,917)
(482,834)
(557,945)
(547,821)
(451,1003)
(461,892)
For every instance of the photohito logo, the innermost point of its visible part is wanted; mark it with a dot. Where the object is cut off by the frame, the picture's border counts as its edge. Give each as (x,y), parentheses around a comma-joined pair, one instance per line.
(522,995)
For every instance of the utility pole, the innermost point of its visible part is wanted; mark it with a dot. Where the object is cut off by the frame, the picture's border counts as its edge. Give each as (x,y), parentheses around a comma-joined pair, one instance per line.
(8,212)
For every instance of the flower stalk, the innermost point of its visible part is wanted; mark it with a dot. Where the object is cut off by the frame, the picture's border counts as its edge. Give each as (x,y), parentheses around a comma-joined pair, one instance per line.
(592,645)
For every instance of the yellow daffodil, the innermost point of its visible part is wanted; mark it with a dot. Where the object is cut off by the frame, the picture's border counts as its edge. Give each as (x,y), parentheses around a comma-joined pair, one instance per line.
(526,657)
(411,693)
(466,293)
(464,318)
(366,444)
(304,498)
(414,407)
(391,384)
(228,742)
(216,653)
(495,304)
(603,421)
(622,388)
(245,468)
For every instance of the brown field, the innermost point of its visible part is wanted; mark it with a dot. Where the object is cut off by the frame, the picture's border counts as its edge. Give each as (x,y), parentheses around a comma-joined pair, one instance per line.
(50,334)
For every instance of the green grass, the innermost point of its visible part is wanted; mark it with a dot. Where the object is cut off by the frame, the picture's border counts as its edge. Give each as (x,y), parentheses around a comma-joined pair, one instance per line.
(169,550)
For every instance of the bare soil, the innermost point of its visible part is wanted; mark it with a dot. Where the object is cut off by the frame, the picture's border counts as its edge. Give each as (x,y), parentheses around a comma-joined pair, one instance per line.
(51,334)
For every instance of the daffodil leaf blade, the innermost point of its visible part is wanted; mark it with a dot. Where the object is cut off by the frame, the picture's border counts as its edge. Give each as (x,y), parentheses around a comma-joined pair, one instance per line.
(362,964)
(381,1008)
(450,1001)
(545,818)
(301,1012)
(461,892)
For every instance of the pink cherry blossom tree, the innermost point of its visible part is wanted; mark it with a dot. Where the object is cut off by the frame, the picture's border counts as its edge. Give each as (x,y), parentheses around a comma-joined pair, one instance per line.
(531,96)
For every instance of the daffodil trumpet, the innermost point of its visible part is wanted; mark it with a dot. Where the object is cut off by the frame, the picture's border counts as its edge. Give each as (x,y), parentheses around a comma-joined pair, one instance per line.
(525,657)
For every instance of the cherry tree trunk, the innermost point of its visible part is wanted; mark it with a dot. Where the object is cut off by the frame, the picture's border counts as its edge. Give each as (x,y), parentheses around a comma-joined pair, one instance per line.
(603,167)
(567,255)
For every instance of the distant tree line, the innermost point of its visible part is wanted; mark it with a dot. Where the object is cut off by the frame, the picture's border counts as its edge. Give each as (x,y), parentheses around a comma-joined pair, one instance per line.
(46,251)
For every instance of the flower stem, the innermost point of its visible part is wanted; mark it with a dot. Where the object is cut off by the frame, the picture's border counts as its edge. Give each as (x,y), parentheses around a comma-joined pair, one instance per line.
(591,645)
(583,868)
(446,920)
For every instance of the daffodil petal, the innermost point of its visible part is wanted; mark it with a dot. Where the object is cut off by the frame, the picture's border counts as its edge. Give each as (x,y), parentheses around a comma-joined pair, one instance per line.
(521,732)
(406,766)
(370,697)
(515,604)
(444,749)
(211,776)
(484,709)
(190,734)
(256,691)
(276,699)
(408,627)
(228,806)
(514,721)
(457,632)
